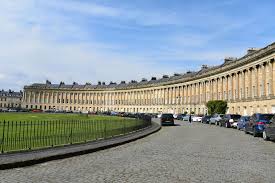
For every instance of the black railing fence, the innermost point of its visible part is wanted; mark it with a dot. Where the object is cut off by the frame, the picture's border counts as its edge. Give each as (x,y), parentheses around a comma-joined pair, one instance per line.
(26,135)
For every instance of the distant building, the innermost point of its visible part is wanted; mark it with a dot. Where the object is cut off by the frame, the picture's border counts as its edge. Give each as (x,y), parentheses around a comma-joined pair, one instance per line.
(246,83)
(10,99)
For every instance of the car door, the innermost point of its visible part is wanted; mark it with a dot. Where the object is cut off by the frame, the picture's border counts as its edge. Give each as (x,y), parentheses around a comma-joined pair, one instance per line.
(241,122)
(270,127)
(224,119)
(249,124)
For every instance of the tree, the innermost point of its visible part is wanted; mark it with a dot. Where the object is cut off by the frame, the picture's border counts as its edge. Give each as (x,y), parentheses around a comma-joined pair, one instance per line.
(216,106)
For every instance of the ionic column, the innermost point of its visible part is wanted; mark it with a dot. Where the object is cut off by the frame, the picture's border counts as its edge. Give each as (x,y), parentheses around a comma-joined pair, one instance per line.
(232,87)
(263,79)
(271,92)
(257,81)
(237,85)
(222,87)
(217,88)
(244,84)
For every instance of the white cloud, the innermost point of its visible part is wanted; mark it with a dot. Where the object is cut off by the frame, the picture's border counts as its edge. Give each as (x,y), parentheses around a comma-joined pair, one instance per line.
(145,18)
(29,54)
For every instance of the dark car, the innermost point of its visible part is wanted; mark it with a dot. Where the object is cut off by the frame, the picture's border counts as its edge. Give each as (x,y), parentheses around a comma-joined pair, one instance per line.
(167,119)
(257,123)
(242,121)
(228,120)
(206,119)
(269,131)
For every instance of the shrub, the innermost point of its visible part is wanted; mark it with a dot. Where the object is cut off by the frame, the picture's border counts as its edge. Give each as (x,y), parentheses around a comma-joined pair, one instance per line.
(216,106)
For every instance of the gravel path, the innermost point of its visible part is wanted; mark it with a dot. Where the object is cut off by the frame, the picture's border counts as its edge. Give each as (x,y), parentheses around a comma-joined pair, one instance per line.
(184,153)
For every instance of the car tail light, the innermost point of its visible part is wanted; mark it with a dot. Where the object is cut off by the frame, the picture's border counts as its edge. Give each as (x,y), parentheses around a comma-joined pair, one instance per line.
(260,123)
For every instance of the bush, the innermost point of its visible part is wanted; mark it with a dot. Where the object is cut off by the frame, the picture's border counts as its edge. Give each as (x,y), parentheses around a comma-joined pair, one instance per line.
(216,106)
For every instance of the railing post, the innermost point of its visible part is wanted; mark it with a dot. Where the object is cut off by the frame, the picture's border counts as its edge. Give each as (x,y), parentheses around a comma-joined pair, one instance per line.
(105,133)
(71,132)
(30,136)
(3,136)
(124,126)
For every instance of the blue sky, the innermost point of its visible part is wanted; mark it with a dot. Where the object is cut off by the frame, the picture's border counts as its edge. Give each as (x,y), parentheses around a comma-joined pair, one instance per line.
(114,40)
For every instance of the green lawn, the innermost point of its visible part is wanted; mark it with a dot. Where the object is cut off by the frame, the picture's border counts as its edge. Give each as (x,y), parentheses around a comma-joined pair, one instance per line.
(23,131)
(51,116)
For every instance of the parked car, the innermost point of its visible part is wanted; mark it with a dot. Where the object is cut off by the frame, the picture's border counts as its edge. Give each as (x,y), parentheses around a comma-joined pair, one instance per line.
(186,117)
(230,120)
(206,119)
(269,131)
(167,119)
(12,110)
(154,115)
(242,121)
(256,124)
(215,119)
(197,118)
(37,110)
(4,110)
(180,116)
(159,115)
(175,116)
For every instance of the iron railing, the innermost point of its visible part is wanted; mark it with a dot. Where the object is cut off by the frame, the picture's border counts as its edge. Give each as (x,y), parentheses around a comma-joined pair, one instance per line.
(26,135)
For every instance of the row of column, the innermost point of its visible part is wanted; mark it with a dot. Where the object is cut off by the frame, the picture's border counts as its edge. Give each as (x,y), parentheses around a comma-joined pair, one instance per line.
(254,82)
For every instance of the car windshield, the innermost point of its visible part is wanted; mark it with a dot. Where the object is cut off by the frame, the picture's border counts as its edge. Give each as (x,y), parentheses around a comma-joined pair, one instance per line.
(265,117)
(167,115)
(235,117)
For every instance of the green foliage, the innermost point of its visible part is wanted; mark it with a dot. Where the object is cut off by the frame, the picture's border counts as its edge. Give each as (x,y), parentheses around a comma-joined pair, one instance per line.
(185,112)
(216,106)
(192,112)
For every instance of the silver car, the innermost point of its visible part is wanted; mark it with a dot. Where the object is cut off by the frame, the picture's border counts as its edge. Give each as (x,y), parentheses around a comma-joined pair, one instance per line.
(216,119)
(186,118)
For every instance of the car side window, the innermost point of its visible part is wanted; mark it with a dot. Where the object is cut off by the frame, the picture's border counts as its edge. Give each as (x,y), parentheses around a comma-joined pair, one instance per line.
(254,117)
(272,119)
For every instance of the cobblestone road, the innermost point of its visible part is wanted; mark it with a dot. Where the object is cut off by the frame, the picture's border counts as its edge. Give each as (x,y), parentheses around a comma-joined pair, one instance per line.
(186,153)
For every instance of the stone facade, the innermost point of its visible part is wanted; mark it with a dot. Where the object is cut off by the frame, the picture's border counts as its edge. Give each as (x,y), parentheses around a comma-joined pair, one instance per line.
(247,84)
(10,99)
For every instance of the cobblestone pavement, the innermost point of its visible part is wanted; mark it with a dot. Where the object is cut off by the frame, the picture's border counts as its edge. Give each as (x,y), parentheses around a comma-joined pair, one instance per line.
(185,153)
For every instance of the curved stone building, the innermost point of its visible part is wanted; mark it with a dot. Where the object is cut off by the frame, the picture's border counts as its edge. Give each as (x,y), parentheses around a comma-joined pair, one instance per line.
(247,83)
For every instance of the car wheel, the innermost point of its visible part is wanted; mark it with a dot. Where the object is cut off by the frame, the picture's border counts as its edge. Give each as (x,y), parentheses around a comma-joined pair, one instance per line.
(265,137)
(226,125)
(244,129)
